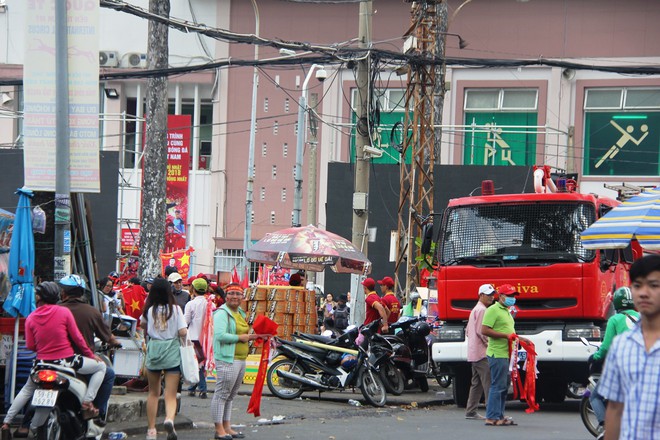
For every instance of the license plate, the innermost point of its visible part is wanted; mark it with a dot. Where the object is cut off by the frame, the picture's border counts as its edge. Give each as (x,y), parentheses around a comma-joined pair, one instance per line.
(45,398)
(522,355)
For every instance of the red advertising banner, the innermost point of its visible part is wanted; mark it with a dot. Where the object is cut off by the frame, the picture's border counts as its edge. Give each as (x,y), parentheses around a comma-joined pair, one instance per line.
(178,162)
(130,241)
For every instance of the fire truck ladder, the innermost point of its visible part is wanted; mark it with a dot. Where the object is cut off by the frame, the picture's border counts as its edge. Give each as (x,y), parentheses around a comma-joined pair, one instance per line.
(418,155)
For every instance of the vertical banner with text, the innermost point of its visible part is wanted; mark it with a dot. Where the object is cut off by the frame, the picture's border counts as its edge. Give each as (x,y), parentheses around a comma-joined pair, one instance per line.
(178,162)
(40,83)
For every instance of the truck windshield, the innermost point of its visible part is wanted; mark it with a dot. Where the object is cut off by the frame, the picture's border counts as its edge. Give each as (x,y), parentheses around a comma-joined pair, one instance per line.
(511,234)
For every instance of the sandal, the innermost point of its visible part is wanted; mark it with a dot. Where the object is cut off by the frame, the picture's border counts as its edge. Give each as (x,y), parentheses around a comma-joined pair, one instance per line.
(88,411)
(506,422)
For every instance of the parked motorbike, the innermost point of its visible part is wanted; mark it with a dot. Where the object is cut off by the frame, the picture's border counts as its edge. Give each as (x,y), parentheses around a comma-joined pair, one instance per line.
(411,350)
(309,365)
(57,401)
(392,377)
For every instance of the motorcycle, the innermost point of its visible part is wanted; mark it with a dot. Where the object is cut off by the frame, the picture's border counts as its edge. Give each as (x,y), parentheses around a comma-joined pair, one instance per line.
(57,403)
(587,413)
(411,350)
(308,365)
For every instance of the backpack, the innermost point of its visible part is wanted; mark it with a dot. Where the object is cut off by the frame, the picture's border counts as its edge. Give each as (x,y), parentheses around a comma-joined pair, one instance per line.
(341,317)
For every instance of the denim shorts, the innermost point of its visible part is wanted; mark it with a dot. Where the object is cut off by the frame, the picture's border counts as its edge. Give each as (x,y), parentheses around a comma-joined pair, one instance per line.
(176,369)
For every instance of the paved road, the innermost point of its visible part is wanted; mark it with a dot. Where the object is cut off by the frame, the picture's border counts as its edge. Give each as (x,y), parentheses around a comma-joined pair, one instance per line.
(422,415)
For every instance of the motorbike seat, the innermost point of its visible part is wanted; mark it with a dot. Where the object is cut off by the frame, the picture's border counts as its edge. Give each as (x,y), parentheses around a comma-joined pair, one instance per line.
(305,347)
(47,366)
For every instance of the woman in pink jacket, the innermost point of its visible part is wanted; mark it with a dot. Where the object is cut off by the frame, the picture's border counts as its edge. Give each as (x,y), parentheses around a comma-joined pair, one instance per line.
(49,331)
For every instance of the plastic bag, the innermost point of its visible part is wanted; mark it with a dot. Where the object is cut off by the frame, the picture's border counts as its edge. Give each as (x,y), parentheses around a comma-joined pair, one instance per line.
(189,364)
(38,220)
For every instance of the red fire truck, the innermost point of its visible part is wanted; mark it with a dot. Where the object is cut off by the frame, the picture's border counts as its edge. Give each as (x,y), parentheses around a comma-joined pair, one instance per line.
(531,241)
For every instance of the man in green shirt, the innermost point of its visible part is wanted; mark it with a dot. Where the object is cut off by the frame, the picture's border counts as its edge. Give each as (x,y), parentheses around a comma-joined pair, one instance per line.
(498,325)
(625,319)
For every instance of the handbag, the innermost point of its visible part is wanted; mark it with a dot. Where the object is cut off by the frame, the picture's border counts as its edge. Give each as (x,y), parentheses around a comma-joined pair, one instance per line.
(189,364)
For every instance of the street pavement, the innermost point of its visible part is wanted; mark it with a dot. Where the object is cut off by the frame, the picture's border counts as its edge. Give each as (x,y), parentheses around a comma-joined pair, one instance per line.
(424,415)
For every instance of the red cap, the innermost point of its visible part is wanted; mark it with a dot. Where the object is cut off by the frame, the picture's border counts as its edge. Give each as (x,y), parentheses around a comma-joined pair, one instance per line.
(369,283)
(201,275)
(387,281)
(190,280)
(507,289)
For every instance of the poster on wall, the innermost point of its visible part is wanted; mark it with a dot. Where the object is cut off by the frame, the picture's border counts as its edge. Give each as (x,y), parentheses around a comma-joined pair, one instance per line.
(176,193)
(130,241)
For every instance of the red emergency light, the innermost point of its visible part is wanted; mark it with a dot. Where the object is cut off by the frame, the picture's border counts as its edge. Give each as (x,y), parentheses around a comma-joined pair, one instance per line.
(487,188)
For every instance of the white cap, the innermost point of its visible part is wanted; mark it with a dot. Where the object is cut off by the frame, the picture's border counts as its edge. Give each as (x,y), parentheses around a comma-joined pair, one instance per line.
(174,277)
(485,289)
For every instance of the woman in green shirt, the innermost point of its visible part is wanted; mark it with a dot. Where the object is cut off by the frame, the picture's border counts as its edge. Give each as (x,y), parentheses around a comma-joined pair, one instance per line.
(230,349)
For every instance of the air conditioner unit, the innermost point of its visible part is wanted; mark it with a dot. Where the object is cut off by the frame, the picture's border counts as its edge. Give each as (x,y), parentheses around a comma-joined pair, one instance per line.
(108,58)
(136,60)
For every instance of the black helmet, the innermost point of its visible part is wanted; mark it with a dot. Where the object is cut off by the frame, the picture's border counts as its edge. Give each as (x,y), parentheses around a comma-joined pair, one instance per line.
(419,331)
(48,291)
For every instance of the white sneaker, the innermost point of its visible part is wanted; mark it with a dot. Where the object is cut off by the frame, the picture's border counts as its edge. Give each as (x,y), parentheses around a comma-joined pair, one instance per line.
(152,434)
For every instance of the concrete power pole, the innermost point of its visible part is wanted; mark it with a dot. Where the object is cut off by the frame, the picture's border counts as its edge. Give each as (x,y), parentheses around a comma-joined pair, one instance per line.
(311,170)
(62,254)
(152,226)
(362,138)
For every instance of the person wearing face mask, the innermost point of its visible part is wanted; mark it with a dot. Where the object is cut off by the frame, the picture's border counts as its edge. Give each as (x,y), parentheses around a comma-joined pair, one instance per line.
(498,325)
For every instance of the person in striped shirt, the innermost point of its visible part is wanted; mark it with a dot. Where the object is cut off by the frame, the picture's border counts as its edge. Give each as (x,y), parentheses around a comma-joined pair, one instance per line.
(631,378)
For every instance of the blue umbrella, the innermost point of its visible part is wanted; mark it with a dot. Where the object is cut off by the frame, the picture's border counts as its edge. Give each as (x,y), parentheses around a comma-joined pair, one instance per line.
(21,260)
(21,267)
(636,218)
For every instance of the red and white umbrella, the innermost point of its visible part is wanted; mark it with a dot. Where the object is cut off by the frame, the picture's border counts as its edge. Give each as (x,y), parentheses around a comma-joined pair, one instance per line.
(309,248)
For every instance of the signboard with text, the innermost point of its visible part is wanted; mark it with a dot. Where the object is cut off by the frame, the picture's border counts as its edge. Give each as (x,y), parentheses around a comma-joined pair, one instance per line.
(40,84)
(176,193)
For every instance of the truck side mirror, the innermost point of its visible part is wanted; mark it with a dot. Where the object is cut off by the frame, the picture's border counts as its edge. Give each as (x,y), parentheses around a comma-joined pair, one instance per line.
(427,238)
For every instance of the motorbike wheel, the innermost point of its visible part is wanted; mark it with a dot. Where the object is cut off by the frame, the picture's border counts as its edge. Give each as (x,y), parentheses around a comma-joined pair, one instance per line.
(588,417)
(372,388)
(444,380)
(284,388)
(51,429)
(392,378)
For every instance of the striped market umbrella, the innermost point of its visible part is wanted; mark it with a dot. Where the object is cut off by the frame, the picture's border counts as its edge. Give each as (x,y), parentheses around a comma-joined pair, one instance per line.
(636,218)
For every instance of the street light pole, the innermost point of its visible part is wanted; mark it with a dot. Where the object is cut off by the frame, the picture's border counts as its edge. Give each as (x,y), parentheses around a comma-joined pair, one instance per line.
(300,145)
(247,239)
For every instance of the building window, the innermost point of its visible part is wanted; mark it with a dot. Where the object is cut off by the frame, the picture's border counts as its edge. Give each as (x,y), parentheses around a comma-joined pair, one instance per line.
(263,193)
(277,80)
(286,105)
(621,131)
(252,217)
(274,172)
(284,194)
(294,172)
(265,105)
(264,148)
(272,217)
(276,127)
(497,120)
(295,129)
(285,150)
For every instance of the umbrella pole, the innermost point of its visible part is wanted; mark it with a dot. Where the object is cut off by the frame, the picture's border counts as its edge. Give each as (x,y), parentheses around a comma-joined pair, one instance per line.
(14,360)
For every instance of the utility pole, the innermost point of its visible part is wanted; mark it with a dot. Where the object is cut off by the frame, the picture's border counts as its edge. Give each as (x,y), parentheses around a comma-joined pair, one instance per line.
(247,236)
(62,254)
(362,138)
(154,175)
(416,193)
(311,170)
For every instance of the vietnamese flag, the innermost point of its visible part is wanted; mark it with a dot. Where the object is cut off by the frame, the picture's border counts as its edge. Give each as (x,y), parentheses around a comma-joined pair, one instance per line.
(245,282)
(134,297)
(180,259)
(235,279)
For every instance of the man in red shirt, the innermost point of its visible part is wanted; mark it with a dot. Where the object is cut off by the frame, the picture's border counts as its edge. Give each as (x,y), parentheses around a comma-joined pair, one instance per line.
(374,309)
(389,299)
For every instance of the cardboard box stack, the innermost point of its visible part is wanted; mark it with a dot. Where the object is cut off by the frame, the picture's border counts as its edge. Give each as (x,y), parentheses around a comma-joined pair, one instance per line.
(292,308)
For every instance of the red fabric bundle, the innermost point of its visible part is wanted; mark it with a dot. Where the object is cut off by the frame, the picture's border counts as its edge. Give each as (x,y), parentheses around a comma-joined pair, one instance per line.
(526,391)
(206,336)
(261,326)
